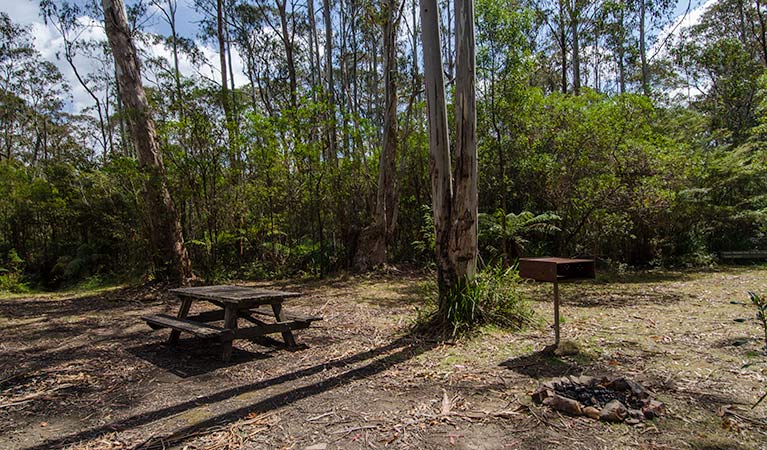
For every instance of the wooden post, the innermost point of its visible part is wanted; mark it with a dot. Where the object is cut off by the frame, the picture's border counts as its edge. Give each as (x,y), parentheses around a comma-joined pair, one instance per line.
(556,314)
(230,323)
(287,336)
(186,303)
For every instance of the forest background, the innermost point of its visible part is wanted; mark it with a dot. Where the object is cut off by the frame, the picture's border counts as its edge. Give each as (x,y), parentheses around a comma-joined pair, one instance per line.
(628,130)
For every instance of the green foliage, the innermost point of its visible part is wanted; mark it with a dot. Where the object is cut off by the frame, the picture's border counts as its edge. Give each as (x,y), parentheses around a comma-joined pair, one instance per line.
(512,230)
(11,273)
(761,315)
(627,178)
(427,243)
(492,297)
(761,312)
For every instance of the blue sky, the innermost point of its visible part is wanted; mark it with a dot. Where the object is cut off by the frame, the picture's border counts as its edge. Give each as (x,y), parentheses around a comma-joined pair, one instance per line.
(48,42)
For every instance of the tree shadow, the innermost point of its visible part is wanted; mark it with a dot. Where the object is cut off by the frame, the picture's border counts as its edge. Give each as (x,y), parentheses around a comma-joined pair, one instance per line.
(541,365)
(642,276)
(396,352)
(75,306)
(735,342)
(192,357)
(620,299)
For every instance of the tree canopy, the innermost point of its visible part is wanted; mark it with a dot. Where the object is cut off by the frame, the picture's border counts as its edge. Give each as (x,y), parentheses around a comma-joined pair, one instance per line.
(645,140)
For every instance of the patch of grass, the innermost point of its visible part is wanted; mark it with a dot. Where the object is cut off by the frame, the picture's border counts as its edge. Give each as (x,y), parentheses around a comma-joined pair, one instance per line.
(76,291)
(492,298)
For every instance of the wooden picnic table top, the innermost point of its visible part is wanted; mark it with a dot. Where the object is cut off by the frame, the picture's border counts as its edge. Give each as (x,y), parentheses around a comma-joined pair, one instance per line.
(237,295)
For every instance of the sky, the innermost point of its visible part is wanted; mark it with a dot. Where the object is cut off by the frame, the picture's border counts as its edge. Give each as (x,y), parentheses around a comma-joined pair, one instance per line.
(49,43)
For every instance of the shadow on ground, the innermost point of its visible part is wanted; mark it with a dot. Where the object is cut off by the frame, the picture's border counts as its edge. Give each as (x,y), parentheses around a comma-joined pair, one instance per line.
(541,365)
(377,360)
(619,299)
(189,358)
(117,300)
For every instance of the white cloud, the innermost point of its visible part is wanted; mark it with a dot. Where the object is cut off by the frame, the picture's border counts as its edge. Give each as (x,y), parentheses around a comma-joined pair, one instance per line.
(680,23)
(49,43)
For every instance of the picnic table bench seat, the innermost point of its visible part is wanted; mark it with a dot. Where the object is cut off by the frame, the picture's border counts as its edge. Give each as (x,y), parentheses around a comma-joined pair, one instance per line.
(201,330)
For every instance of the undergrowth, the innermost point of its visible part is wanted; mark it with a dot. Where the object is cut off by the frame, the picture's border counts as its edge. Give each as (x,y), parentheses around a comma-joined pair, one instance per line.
(493,297)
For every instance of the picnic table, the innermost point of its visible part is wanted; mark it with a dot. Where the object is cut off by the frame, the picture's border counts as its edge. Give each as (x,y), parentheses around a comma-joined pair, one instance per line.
(234,302)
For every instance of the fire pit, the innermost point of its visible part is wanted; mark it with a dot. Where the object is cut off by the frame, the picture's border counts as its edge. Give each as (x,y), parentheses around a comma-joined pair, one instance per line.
(607,399)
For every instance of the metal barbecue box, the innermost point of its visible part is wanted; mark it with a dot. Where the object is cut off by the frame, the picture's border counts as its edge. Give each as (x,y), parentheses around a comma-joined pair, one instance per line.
(556,269)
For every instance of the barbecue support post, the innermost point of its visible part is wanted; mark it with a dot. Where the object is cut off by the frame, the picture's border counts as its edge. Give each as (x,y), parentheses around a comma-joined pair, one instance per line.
(556,314)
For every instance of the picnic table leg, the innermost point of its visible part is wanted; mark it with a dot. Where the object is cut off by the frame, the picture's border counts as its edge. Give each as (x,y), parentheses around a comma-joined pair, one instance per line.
(230,323)
(556,314)
(287,336)
(186,303)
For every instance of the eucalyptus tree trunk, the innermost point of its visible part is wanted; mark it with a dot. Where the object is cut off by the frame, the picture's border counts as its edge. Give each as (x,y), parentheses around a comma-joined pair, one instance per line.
(225,99)
(371,249)
(463,232)
(314,50)
(287,40)
(454,203)
(643,47)
(563,45)
(439,145)
(762,32)
(621,53)
(170,255)
(172,6)
(330,93)
(575,31)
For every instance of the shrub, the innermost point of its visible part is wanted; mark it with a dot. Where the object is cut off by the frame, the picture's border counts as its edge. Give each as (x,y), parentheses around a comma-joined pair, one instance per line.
(492,297)
(10,277)
(761,312)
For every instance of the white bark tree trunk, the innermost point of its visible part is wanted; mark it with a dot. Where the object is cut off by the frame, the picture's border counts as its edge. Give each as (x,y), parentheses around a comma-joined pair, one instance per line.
(439,146)
(463,230)
(454,200)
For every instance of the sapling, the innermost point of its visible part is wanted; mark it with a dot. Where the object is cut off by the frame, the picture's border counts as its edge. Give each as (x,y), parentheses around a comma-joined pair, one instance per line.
(761,312)
(761,315)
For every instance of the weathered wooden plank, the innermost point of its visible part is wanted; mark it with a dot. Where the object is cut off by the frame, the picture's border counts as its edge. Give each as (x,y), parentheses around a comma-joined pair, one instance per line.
(198,329)
(287,335)
(216,315)
(240,295)
(230,323)
(182,313)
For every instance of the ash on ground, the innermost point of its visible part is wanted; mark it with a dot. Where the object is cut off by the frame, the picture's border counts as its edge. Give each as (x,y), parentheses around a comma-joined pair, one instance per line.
(607,399)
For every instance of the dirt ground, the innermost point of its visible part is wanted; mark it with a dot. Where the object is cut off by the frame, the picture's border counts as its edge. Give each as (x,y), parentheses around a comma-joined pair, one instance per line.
(82,371)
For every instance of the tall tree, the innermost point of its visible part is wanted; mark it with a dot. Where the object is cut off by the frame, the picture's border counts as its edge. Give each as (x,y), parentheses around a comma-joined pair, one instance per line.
(226,100)
(371,250)
(330,86)
(454,203)
(65,19)
(575,9)
(463,233)
(171,258)
(650,13)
